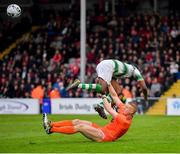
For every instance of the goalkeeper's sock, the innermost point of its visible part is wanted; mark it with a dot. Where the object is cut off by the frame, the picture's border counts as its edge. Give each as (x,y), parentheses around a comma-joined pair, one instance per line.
(64,130)
(91,87)
(62,123)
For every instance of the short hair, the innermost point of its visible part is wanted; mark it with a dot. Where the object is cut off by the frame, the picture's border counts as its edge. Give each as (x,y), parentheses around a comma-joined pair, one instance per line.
(134,105)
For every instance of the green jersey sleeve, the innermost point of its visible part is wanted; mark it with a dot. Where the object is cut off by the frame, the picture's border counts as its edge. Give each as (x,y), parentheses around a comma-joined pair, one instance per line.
(137,75)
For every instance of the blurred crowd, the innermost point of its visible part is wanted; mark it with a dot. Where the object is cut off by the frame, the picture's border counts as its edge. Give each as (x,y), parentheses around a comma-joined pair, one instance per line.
(11,29)
(48,60)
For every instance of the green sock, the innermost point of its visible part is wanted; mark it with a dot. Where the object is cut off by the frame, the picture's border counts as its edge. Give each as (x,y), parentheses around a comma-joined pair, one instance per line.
(91,87)
(109,98)
(101,104)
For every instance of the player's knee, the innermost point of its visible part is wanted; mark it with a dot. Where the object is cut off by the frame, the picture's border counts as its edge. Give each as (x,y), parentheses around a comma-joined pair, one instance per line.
(80,127)
(76,121)
(103,85)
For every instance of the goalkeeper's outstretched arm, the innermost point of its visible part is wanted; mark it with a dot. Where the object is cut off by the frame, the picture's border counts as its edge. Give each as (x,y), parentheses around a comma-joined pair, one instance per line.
(108,107)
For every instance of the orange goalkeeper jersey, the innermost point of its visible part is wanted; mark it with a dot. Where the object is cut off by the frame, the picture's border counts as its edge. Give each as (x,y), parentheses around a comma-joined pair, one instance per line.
(118,126)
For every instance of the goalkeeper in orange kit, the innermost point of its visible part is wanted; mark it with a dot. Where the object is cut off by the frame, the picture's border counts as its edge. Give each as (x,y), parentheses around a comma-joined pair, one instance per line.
(122,119)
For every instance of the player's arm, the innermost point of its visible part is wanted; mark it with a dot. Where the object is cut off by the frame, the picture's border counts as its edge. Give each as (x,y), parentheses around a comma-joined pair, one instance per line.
(141,82)
(108,107)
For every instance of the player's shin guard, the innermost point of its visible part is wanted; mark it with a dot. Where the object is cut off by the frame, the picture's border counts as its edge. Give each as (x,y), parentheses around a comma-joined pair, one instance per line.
(91,87)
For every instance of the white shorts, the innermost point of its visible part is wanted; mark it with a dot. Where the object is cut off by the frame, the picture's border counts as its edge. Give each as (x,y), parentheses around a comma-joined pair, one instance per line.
(105,70)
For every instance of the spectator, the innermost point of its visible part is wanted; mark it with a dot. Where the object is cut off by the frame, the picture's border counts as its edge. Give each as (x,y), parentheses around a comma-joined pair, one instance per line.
(140,109)
(54,93)
(57,58)
(174,67)
(155,90)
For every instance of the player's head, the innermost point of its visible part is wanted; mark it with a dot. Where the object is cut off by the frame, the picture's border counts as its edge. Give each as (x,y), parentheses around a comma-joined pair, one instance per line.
(131,108)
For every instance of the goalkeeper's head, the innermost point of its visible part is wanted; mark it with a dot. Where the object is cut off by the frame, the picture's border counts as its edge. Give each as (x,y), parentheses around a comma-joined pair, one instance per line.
(131,108)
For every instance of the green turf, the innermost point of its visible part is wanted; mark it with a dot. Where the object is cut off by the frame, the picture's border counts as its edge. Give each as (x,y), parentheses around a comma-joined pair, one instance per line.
(24,133)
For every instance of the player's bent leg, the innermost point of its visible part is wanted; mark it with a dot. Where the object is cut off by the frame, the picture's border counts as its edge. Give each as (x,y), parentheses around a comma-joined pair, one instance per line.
(91,87)
(118,90)
(86,86)
(90,132)
(104,86)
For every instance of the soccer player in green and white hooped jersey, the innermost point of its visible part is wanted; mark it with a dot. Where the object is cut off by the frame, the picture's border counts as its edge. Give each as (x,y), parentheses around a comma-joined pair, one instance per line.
(109,71)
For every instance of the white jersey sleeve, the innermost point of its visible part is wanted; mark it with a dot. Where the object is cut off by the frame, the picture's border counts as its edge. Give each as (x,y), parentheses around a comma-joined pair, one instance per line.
(124,70)
(137,75)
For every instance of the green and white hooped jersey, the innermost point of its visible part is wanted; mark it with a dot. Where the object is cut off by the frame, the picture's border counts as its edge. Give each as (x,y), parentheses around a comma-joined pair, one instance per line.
(108,69)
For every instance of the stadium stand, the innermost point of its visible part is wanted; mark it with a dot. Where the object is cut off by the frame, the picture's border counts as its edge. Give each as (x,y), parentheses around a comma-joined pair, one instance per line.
(49,57)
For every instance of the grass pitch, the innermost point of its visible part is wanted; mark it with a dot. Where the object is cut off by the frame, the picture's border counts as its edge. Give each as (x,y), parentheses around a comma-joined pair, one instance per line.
(24,133)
